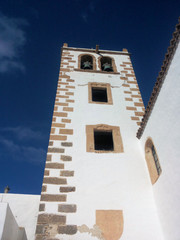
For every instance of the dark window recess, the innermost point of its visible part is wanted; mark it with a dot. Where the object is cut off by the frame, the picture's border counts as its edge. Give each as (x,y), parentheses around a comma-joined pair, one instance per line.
(156,160)
(99,94)
(106,64)
(103,140)
(86,62)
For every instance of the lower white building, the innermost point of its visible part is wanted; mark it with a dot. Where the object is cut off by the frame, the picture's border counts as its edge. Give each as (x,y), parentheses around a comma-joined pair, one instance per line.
(18,216)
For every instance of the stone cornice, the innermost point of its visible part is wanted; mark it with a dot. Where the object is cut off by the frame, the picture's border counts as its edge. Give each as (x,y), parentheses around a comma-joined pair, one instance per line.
(94,51)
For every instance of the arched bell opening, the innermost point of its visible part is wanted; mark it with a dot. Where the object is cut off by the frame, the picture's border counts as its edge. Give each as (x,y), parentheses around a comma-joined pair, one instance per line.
(152,160)
(106,64)
(86,62)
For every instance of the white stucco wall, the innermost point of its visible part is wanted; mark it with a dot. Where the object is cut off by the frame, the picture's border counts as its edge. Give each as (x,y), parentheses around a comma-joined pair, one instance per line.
(24,209)
(163,128)
(3,210)
(106,181)
(9,229)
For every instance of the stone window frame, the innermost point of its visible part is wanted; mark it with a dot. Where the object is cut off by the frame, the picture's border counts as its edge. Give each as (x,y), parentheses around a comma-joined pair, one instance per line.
(93,58)
(153,172)
(113,64)
(100,85)
(117,139)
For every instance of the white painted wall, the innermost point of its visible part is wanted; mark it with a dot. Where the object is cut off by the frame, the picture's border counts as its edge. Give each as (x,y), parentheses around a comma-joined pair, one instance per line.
(163,128)
(107,181)
(3,210)
(9,227)
(24,211)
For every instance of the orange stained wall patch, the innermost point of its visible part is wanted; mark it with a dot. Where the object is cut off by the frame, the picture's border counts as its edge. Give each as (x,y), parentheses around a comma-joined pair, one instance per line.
(110,223)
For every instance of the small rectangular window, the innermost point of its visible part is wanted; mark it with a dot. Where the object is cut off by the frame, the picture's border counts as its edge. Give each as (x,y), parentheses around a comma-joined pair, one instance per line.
(99,94)
(103,140)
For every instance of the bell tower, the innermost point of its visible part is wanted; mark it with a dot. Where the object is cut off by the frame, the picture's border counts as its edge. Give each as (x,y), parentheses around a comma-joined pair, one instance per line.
(95,175)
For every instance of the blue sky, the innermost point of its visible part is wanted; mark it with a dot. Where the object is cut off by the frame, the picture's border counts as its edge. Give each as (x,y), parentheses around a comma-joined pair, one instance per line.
(31,35)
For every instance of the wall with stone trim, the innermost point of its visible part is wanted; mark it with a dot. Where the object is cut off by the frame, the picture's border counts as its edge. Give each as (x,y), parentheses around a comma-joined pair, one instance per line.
(78,183)
(163,128)
(54,206)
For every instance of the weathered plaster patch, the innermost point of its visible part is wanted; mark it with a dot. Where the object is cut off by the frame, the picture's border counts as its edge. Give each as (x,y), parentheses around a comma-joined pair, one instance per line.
(84,232)
(95,231)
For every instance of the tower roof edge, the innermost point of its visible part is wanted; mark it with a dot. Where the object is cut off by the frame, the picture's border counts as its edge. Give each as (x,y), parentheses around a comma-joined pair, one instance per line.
(124,51)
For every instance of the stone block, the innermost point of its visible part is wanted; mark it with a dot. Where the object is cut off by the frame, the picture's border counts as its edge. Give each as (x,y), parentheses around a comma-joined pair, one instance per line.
(67,144)
(41,207)
(66,131)
(52,130)
(39,229)
(68,109)
(58,138)
(46,172)
(67,173)
(59,125)
(50,143)
(59,114)
(51,218)
(55,165)
(54,180)
(69,101)
(66,158)
(68,229)
(44,188)
(62,104)
(69,93)
(39,237)
(67,189)
(139,113)
(67,208)
(53,198)
(66,121)
(131,108)
(48,159)
(56,150)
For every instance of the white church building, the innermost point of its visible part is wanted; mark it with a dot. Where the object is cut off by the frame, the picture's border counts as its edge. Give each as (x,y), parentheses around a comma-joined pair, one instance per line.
(112,167)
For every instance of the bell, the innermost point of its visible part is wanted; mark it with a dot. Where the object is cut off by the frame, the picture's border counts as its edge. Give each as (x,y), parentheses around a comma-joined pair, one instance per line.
(107,67)
(87,65)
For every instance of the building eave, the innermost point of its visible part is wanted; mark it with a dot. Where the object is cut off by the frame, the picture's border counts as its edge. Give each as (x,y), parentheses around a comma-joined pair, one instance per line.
(160,79)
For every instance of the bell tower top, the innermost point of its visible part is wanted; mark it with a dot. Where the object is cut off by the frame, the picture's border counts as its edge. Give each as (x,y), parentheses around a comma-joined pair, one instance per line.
(96,50)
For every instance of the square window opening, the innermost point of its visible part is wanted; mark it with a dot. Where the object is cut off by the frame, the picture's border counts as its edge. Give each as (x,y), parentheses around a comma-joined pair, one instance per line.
(103,140)
(99,94)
